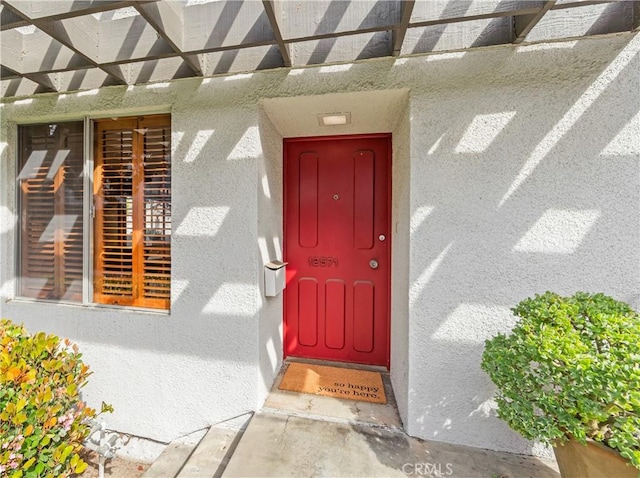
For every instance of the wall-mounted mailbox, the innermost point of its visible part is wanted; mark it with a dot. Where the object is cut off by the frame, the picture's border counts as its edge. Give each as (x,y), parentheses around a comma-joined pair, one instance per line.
(274,278)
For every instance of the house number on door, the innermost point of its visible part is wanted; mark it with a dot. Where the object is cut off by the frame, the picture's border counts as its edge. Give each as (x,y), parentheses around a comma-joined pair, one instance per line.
(315,261)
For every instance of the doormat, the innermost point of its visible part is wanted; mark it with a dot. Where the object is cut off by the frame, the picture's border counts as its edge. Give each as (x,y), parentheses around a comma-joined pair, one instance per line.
(334,382)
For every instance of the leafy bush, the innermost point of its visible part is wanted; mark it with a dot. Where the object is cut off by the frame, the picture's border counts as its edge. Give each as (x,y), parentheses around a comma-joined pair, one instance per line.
(43,421)
(570,368)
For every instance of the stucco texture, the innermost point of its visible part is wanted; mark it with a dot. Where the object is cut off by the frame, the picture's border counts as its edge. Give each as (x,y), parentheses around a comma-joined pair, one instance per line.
(516,170)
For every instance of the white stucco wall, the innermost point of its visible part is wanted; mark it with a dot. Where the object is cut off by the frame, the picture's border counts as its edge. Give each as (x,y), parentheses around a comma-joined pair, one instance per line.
(270,243)
(400,259)
(168,375)
(521,173)
(518,186)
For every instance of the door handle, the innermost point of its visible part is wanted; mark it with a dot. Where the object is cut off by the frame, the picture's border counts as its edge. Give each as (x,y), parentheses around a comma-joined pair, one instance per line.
(373,264)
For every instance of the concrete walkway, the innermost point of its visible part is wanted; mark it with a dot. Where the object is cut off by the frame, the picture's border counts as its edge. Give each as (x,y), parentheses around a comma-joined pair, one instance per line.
(302,435)
(281,445)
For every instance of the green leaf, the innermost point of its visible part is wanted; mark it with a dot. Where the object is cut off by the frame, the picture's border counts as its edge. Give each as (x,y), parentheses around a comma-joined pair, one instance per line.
(570,367)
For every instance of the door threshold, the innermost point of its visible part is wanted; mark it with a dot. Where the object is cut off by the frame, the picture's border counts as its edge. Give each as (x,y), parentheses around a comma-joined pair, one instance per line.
(331,363)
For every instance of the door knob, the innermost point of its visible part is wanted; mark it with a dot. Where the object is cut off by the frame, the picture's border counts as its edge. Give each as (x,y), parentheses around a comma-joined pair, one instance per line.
(373,264)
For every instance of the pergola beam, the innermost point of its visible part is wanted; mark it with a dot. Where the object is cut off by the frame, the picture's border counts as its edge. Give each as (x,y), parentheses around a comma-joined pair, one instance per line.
(398,34)
(169,24)
(95,6)
(470,18)
(7,73)
(111,65)
(42,79)
(9,20)
(269,8)
(67,35)
(583,3)
(523,24)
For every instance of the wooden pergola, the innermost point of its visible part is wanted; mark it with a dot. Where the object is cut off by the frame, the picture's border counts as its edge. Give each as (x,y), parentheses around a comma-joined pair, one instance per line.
(69,45)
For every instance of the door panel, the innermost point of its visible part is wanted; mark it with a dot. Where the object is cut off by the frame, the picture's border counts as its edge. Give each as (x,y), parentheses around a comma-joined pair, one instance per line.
(335,313)
(363,315)
(337,244)
(308,203)
(363,199)
(308,308)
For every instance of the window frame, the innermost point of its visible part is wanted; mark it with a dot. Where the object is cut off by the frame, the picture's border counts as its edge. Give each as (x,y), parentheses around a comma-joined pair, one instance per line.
(88,250)
(19,251)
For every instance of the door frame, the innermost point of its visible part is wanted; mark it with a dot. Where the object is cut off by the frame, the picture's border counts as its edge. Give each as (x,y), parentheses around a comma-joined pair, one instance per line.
(302,139)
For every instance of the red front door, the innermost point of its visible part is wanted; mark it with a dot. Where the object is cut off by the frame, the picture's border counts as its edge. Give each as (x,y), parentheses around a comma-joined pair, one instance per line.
(337,243)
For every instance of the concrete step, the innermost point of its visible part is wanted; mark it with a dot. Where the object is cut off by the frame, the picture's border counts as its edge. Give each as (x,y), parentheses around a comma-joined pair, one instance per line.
(212,454)
(170,461)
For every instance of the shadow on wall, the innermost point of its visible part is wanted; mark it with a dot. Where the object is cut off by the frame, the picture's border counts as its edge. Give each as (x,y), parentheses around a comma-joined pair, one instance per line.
(515,191)
(470,163)
(208,345)
(520,184)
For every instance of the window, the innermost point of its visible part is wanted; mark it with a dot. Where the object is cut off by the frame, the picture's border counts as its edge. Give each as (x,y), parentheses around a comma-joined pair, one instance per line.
(132,187)
(51,187)
(131,212)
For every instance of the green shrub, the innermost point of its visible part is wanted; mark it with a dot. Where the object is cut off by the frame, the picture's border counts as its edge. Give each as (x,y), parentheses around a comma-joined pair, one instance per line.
(570,368)
(43,421)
